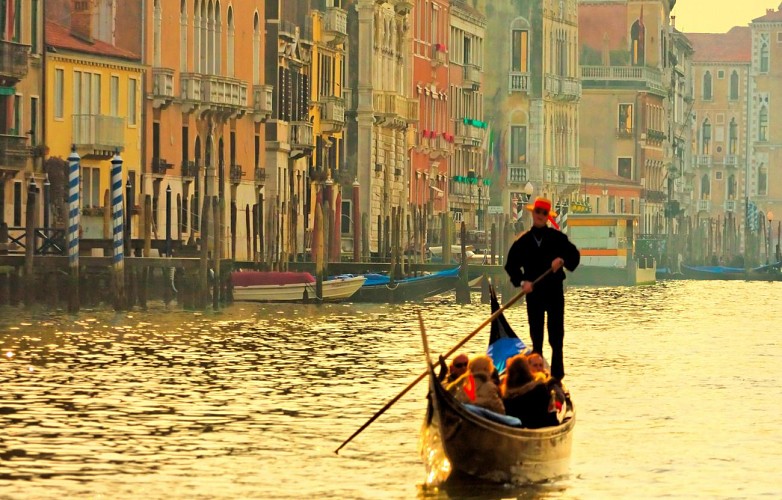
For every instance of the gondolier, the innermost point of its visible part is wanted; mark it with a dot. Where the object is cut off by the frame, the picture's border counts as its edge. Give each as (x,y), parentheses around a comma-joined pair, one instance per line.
(534,252)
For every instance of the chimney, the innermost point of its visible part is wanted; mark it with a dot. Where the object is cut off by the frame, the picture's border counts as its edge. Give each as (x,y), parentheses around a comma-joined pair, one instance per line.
(81,19)
(769,11)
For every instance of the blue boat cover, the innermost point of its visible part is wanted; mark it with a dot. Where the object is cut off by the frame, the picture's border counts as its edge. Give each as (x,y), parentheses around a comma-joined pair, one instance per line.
(503,341)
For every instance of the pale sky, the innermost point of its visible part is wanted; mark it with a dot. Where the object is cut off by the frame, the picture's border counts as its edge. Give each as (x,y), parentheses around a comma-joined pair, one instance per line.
(718,16)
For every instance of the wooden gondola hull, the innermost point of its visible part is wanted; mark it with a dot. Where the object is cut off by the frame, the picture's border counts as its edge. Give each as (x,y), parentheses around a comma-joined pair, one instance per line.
(729,273)
(496,452)
(406,291)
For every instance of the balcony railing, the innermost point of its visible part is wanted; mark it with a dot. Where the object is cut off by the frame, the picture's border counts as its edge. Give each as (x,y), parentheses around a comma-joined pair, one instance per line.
(99,132)
(704,160)
(730,205)
(438,147)
(518,82)
(562,87)
(162,87)
(224,92)
(236,174)
(333,114)
(13,152)
(335,25)
(731,160)
(468,135)
(518,173)
(301,135)
(190,168)
(648,77)
(160,166)
(190,90)
(391,105)
(260,175)
(472,77)
(704,205)
(14,60)
(653,196)
(624,132)
(573,176)
(262,102)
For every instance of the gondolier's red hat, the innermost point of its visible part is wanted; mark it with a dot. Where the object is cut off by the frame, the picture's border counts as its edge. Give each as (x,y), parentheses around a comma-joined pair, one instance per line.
(543,203)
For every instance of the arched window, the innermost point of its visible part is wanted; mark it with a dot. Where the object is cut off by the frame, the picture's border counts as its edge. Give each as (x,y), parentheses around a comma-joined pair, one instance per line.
(517,152)
(230,46)
(637,39)
(763,124)
(256,50)
(519,45)
(217,68)
(733,137)
(183,36)
(705,187)
(706,137)
(762,180)
(198,40)
(707,86)
(157,28)
(764,56)
(195,200)
(734,86)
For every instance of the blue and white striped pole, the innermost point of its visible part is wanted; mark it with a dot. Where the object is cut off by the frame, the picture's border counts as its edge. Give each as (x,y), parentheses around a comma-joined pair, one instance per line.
(74,219)
(119,235)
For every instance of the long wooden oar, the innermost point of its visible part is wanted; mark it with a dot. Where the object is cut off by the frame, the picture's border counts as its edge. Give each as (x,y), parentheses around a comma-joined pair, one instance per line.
(466,339)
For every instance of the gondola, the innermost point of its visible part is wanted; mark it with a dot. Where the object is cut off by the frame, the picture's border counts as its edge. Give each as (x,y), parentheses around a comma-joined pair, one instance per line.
(761,273)
(456,440)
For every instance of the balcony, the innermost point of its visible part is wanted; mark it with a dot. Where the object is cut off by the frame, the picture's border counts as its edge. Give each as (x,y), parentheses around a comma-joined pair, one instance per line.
(573,176)
(190,169)
(14,152)
(159,166)
(468,135)
(730,205)
(100,135)
(624,133)
(472,77)
(335,25)
(260,175)
(394,110)
(625,77)
(439,55)
(704,161)
(403,6)
(190,91)
(262,102)
(332,115)
(438,147)
(518,173)
(518,82)
(704,205)
(236,174)
(14,62)
(301,136)
(562,88)
(653,196)
(162,87)
(224,95)
(731,161)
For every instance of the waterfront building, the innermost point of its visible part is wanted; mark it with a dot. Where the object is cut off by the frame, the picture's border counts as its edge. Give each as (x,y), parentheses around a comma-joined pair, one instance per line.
(468,186)
(384,113)
(94,97)
(205,104)
(681,112)
(432,52)
(721,80)
(532,92)
(626,77)
(22,145)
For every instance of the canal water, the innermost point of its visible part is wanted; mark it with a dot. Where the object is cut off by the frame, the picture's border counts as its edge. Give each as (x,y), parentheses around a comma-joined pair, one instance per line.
(677,385)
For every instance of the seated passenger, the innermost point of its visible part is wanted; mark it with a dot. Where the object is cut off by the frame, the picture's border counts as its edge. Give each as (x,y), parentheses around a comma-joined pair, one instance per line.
(458,367)
(476,387)
(538,368)
(527,397)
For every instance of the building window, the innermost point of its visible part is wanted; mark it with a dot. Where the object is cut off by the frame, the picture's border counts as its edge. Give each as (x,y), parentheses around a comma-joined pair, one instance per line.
(720,74)
(58,92)
(624,167)
(632,205)
(734,86)
(705,187)
(763,124)
(518,144)
(157,33)
(732,187)
(707,86)
(132,117)
(114,96)
(256,50)
(612,204)
(637,37)
(34,27)
(345,222)
(183,35)
(621,205)
(520,51)
(90,186)
(718,175)
(33,122)
(764,54)
(18,125)
(230,52)
(762,180)
(733,137)
(706,137)
(625,121)
(17,204)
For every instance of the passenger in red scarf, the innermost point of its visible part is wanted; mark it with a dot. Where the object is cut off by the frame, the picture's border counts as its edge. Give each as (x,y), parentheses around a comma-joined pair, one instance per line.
(476,387)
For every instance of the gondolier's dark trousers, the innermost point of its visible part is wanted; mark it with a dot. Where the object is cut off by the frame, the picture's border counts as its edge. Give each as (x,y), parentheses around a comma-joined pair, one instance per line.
(550,301)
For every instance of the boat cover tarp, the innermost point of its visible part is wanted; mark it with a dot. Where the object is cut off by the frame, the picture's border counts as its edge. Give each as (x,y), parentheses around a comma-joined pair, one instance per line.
(374,279)
(503,341)
(257,278)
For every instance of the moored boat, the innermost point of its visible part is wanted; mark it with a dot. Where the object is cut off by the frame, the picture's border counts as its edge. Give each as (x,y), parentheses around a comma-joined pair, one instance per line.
(258,286)
(454,439)
(761,273)
(379,288)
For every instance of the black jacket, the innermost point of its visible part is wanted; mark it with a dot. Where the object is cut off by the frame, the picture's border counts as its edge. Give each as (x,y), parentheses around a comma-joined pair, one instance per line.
(527,260)
(529,403)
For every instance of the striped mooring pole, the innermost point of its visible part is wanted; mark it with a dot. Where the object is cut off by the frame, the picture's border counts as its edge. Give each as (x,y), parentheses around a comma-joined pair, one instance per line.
(74,220)
(118,259)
